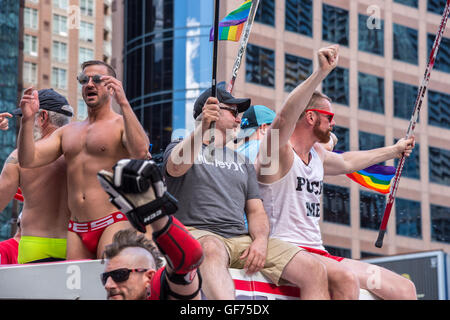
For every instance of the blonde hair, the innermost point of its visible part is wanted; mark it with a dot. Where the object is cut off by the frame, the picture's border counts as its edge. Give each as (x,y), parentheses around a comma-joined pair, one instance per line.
(317,95)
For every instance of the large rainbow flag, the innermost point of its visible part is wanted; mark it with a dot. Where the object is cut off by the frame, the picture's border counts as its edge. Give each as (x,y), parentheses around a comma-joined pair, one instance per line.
(230,28)
(376,177)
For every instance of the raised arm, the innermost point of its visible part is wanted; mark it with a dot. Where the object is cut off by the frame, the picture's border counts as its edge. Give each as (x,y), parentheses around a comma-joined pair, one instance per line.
(286,119)
(33,154)
(348,162)
(184,154)
(299,97)
(134,137)
(9,180)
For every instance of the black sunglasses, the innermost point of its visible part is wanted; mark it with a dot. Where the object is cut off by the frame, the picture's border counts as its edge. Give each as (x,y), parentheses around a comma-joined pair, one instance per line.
(233,111)
(119,275)
(84,79)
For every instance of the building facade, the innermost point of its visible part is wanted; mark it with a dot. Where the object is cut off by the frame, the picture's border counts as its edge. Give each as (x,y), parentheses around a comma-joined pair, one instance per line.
(384,50)
(10,71)
(59,35)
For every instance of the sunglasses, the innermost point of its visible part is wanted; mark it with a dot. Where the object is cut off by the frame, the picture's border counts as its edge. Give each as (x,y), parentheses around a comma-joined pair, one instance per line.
(329,114)
(119,275)
(84,79)
(233,111)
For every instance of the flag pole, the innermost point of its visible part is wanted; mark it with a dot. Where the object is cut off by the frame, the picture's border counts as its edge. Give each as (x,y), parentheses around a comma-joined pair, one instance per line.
(243,44)
(412,123)
(214,72)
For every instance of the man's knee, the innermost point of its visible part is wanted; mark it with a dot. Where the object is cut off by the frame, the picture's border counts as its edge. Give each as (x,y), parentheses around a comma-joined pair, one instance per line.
(406,290)
(347,282)
(213,248)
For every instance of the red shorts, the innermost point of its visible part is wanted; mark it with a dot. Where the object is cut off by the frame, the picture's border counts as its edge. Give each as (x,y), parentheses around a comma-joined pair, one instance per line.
(323,253)
(90,232)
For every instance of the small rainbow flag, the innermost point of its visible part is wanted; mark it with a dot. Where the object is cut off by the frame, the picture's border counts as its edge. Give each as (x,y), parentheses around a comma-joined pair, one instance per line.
(230,28)
(376,177)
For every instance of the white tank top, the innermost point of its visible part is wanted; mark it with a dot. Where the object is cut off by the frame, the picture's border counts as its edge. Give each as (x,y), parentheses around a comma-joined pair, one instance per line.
(293,203)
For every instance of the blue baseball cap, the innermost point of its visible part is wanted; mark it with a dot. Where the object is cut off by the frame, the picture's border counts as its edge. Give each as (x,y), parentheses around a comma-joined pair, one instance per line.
(254,117)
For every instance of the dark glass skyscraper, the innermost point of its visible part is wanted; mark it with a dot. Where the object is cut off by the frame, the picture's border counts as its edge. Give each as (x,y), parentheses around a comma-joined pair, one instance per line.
(9,60)
(167,63)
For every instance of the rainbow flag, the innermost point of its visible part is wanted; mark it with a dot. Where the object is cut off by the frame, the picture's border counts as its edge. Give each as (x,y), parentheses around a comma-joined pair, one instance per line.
(376,177)
(230,28)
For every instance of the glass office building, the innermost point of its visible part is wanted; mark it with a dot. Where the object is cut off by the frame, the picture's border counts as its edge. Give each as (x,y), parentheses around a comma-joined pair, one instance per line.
(9,57)
(167,63)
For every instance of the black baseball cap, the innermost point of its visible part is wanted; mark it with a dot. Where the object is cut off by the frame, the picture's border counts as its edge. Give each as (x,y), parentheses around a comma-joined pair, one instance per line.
(223,96)
(51,100)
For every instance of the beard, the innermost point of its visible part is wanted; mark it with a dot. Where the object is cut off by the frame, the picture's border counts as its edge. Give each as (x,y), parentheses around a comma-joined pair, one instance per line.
(37,131)
(322,136)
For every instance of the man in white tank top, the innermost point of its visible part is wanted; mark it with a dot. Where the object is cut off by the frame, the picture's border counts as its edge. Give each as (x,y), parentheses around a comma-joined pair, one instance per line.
(292,189)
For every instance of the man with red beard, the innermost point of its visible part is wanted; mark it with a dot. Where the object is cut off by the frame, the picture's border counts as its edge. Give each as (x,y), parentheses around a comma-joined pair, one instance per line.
(292,194)
(88,146)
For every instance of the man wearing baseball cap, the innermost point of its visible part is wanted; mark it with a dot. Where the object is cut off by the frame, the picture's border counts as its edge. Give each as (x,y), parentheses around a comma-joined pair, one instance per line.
(45,213)
(254,124)
(212,195)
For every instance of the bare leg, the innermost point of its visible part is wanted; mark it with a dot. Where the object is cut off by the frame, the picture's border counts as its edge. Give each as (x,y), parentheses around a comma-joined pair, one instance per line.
(382,282)
(217,281)
(342,282)
(309,274)
(76,249)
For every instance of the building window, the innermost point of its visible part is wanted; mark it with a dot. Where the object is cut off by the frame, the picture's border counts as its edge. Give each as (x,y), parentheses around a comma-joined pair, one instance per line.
(442,62)
(82,110)
(436,6)
(405,44)
(335,25)
(87,7)
(59,78)
(369,141)
(30,73)
(411,3)
(440,223)
(299,16)
(371,209)
(266,12)
(296,69)
(61,4)
(86,31)
(343,135)
(408,218)
(404,100)
(30,18)
(411,167)
(260,65)
(335,86)
(439,163)
(59,51)
(370,93)
(60,25)
(438,112)
(85,54)
(336,204)
(370,35)
(30,45)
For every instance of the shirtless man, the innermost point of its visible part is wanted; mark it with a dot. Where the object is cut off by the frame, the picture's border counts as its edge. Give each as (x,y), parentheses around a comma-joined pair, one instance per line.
(45,214)
(89,146)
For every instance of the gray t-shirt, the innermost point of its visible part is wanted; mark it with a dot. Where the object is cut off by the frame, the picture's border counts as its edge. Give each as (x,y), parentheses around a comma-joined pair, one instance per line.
(212,194)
